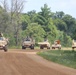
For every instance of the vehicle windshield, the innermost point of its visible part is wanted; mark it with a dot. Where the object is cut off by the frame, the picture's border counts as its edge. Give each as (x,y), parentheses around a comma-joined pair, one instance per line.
(27,39)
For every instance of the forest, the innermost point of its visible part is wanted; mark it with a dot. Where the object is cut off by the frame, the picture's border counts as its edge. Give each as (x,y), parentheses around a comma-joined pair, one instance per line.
(16,25)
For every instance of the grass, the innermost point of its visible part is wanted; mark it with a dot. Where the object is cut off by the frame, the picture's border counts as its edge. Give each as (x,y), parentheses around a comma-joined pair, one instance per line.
(14,47)
(64,57)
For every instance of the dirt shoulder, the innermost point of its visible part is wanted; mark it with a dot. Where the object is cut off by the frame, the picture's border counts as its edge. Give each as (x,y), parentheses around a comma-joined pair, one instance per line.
(19,62)
(56,67)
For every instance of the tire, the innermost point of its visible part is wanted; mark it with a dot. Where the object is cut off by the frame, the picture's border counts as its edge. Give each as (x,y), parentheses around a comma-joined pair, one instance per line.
(32,47)
(23,47)
(5,48)
(53,47)
(73,48)
(41,47)
(48,47)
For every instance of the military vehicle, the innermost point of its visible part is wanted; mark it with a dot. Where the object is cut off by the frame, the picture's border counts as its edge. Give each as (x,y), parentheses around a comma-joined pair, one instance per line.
(73,44)
(3,42)
(44,44)
(28,43)
(56,44)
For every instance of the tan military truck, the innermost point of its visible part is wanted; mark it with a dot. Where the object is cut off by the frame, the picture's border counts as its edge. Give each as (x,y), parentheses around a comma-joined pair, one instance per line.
(44,44)
(3,43)
(73,44)
(28,43)
(56,44)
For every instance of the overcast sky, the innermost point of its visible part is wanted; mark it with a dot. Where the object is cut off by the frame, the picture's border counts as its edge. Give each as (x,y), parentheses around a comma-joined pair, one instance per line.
(67,6)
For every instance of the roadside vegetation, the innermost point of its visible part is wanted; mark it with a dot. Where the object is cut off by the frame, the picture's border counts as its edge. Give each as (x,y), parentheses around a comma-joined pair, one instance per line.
(64,57)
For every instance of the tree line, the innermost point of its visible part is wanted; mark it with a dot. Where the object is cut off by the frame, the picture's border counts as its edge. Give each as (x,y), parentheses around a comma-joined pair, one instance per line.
(39,25)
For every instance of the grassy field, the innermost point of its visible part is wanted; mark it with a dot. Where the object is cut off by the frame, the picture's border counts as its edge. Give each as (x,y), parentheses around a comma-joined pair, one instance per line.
(64,57)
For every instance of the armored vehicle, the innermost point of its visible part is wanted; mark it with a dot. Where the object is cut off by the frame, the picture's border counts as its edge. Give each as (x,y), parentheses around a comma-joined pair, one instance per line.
(44,44)
(56,44)
(28,43)
(3,43)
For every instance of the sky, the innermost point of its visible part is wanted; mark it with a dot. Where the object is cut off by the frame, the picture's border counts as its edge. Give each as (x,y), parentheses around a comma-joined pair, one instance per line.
(67,6)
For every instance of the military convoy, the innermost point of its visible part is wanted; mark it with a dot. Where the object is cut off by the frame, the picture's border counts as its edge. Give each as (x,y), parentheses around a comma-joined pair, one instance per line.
(30,43)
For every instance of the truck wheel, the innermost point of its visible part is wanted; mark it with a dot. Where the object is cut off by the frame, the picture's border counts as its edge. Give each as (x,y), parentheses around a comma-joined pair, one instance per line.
(32,47)
(48,47)
(5,48)
(73,48)
(23,47)
(53,47)
(41,47)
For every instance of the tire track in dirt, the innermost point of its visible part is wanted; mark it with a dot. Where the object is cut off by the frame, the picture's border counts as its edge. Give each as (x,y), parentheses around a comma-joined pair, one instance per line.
(19,62)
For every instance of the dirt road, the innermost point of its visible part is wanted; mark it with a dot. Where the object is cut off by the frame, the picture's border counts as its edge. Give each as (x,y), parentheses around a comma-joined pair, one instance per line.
(19,62)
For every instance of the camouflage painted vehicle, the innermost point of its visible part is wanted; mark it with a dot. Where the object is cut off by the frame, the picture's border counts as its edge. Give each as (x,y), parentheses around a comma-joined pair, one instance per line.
(56,44)
(3,43)
(28,43)
(73,44)
(44,44)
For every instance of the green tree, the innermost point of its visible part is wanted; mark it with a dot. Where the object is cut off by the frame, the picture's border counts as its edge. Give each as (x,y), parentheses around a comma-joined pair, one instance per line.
(45,12)
(41,20)
(35,30)
(67,41)
(25,21)
(60,24)
(32,14)
(71,24)
(16,9)
(51,30)
(74,34)
(4,20)
(59,15)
